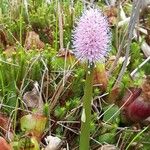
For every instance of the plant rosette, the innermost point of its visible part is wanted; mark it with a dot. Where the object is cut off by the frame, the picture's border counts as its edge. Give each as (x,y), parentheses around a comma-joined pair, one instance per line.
(33,123)
(136,103)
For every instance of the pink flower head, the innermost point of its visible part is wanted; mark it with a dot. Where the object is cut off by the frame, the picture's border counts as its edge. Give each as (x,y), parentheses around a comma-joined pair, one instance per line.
(91,36)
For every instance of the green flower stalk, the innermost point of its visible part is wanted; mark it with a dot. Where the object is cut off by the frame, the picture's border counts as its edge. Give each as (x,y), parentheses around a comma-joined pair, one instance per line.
(86,113)
(91,40)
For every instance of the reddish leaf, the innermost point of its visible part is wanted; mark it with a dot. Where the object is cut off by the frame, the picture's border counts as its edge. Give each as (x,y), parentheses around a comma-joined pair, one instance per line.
(136,103)
(4,125)
(4,145)
(100,77)
(130,96)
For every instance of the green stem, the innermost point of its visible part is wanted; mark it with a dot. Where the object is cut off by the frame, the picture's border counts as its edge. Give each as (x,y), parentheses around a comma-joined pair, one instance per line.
(21,23)
(86,113)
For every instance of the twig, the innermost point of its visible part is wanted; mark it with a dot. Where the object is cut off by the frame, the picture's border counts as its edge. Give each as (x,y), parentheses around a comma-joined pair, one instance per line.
(60,26)
(75,109)
(30,67)
(143,63)
(65,63)
(9,63)
(107,2)
(131,94)
(112,2)
(133,19)
(60,86)
(59,90)
(75,131)
(120,46)
(45,73)
(26,8)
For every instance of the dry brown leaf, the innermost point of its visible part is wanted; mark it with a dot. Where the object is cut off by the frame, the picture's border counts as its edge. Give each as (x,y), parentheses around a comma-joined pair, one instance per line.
(108,147)
(48,33)
(53,143)
(3,39)
(33,99)
(33,41)
(63,53)
(10,50)
(146,89)
(111,13)
(4,125)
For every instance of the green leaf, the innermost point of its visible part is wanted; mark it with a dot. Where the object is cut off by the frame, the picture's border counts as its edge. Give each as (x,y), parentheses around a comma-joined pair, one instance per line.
(33,123)
(107,138)
(111,114)
(26,144)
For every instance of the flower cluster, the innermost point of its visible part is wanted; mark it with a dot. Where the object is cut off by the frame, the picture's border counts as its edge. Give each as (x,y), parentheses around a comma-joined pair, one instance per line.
(91,36)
